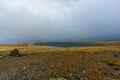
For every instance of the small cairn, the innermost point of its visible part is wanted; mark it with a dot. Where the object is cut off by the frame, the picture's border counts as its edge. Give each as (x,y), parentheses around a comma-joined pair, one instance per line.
(15,52)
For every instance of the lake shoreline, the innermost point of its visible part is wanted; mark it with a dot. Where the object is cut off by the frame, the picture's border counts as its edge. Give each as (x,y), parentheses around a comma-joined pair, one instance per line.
(65,44)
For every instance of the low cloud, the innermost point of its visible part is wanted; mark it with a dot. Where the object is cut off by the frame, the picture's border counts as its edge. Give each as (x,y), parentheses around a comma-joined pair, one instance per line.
(59,20)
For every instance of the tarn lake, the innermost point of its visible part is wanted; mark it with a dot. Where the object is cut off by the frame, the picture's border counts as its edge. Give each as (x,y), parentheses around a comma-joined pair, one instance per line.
(66,44)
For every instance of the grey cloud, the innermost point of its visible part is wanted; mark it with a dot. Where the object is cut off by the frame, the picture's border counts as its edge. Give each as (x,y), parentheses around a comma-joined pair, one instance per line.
(59,20)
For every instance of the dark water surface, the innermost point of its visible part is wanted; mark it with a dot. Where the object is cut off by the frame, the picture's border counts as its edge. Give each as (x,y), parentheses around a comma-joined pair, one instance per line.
(65,44)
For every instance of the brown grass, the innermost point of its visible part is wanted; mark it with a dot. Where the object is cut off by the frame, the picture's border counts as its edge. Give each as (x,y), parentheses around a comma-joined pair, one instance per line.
(44,63)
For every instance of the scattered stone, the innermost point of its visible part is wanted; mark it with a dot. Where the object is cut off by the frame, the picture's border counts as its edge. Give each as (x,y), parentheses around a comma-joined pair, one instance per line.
(108,72)
(83,72)
(111,73)
(24,67)
(8,79)
(38,77)
(117,68)
(70,75)
(77,77)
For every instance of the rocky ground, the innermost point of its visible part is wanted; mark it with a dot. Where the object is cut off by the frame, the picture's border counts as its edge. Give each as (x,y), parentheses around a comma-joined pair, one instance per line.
(42,63)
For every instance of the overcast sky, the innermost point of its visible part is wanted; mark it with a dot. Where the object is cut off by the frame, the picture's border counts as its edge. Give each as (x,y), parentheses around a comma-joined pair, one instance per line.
(59,20)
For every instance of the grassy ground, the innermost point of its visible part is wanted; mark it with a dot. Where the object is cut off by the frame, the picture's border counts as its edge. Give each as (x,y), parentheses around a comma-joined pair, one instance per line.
(46,63)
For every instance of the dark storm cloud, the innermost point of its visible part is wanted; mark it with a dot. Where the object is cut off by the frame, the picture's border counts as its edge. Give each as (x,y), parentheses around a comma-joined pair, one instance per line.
(59,20)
